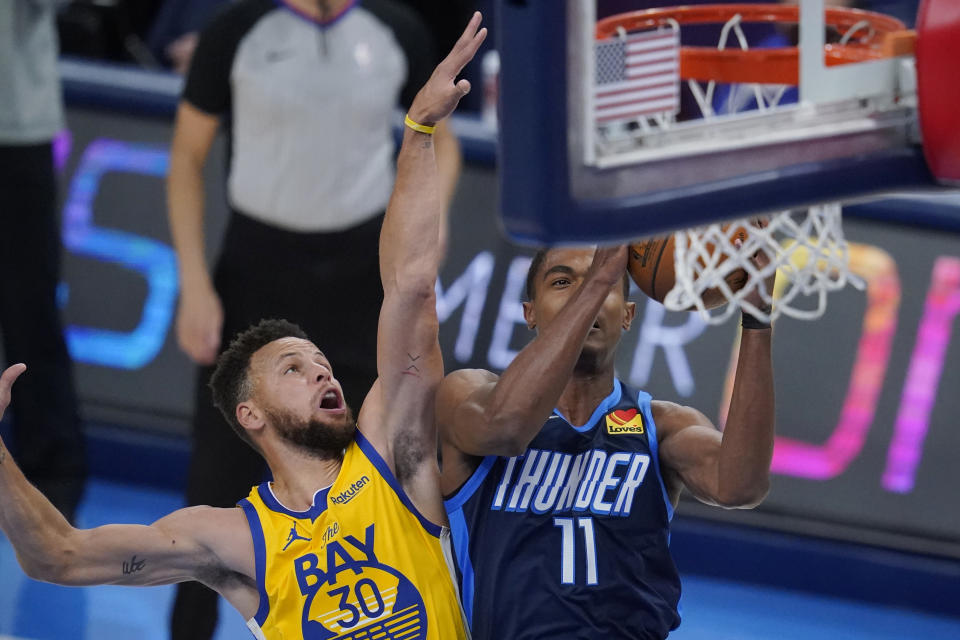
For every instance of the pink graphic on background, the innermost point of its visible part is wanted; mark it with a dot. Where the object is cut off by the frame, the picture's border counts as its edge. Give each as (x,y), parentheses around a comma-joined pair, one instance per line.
(923,376)
(876,339)
(827,460)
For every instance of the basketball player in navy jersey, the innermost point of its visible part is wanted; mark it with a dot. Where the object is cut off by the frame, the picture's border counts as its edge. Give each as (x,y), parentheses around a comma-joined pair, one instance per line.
(560,480)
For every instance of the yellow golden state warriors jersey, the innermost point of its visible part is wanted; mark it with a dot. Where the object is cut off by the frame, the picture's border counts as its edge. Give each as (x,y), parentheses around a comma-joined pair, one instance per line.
(361,564)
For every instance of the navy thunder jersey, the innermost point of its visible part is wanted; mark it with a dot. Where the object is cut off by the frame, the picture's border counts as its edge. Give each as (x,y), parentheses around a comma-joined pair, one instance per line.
(570,539)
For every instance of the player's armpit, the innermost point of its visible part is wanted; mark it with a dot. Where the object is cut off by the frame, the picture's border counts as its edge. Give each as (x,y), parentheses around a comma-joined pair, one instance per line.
(397,416)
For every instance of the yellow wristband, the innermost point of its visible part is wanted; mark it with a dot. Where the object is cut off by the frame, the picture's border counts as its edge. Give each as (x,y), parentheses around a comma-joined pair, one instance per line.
(416,126)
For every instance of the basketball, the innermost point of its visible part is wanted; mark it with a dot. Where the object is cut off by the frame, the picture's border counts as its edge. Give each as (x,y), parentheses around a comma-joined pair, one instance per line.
(651,265)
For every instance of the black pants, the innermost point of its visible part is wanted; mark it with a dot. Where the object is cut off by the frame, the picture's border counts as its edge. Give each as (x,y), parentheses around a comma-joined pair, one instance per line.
(329,284)
(46,427)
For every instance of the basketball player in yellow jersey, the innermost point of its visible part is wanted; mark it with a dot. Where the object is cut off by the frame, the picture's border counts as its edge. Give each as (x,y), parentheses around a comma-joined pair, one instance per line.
(348,539)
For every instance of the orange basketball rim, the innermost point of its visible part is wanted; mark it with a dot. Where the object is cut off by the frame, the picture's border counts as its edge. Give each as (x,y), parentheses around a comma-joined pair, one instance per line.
(876,36)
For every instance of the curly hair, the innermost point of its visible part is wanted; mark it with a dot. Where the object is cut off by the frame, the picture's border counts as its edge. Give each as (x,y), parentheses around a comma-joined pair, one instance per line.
(230,382)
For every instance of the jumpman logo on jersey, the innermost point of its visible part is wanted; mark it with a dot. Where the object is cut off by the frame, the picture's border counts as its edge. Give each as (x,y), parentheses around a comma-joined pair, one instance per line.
(294,536)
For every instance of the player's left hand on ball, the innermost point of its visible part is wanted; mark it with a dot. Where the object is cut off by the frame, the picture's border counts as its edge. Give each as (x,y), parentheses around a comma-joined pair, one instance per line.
(610,262)
(442,92)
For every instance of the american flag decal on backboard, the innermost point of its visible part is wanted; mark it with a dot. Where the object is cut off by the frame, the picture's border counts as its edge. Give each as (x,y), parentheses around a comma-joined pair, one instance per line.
(637,75)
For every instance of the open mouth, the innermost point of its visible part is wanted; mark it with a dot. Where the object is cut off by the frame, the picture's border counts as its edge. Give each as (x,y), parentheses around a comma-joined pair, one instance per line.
(331,401)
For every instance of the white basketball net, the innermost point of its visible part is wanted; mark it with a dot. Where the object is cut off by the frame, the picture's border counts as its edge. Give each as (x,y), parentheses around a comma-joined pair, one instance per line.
(806,249)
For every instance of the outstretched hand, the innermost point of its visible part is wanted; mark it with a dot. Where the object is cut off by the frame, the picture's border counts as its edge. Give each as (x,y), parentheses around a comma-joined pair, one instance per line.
(6,384)
(610,263)
(760,260)
(442,92)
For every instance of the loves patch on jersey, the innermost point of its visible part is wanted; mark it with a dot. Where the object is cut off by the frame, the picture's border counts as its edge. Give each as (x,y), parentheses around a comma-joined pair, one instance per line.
(624,421)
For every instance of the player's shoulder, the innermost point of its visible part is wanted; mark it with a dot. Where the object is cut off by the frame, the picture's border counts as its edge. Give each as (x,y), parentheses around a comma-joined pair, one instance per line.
(664,407)
(471,376)
(461,383)
(671,417)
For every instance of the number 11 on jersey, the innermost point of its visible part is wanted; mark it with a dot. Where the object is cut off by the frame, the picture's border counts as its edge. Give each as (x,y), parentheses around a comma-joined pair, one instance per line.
(568,549)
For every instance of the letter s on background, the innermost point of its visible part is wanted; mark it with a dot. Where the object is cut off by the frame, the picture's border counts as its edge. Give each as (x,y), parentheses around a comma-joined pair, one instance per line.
(152,259)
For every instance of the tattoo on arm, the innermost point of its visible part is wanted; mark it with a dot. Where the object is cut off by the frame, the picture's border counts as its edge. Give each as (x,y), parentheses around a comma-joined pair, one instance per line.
(428,142)
(133,566)
(3,453)
(413,369)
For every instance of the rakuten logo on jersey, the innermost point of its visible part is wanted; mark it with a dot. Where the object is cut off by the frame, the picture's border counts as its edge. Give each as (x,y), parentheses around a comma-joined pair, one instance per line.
(350,492)
(550,481)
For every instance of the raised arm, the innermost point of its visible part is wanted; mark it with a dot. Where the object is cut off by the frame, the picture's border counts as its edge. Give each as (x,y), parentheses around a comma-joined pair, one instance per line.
(409,363)
(729,469)
(480,414)
(199,543)
(449,163)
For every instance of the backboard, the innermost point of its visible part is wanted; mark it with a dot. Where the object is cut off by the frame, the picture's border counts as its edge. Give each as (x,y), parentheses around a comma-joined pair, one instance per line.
(607,132)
